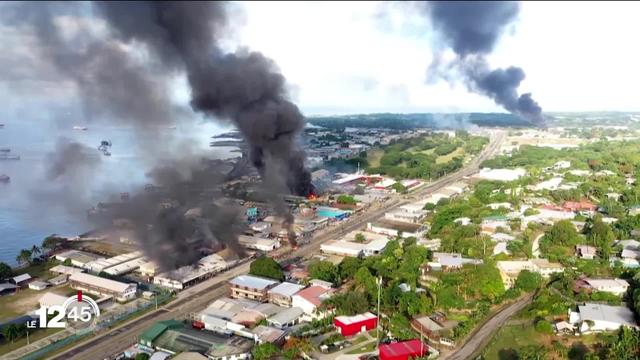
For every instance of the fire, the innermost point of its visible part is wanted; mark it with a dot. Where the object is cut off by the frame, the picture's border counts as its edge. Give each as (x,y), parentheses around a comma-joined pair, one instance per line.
(312,197)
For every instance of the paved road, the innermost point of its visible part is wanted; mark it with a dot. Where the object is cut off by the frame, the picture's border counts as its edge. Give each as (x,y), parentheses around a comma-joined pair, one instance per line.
(483,333)
(199,296)
(535,247)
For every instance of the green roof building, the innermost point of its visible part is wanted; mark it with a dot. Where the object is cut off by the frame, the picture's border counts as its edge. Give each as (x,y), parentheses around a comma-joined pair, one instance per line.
(150,335)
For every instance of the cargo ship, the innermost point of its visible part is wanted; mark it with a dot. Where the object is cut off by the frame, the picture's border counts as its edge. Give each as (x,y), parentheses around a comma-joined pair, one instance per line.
(83,128)
(4,178)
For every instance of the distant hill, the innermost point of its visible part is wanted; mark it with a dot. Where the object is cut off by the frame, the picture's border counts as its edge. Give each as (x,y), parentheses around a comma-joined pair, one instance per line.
(421,120)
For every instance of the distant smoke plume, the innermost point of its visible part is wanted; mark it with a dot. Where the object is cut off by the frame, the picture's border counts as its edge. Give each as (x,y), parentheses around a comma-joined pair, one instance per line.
(471,29)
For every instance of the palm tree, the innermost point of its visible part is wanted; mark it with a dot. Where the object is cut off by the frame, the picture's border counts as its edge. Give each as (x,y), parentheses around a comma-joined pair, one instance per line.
(10,332)
(35,250)
(24,257)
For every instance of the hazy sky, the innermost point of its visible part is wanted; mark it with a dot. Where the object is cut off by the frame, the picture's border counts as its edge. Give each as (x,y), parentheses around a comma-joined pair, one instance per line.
(366,57)
(373,57)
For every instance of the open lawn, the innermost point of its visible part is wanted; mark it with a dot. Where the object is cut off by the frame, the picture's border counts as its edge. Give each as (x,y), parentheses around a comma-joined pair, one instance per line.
(513,338)
(368,347)
(459,152)
(24,301)
(374,156)
(7,347)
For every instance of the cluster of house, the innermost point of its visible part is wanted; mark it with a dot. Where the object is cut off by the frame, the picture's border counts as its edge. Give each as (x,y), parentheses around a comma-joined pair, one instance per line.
(259,310)
(371,183)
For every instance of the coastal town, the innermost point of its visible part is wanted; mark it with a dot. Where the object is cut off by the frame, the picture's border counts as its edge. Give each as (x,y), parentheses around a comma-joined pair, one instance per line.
(383,266)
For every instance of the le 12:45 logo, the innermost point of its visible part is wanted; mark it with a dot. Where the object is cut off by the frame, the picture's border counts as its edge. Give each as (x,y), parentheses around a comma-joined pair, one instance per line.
(76,308)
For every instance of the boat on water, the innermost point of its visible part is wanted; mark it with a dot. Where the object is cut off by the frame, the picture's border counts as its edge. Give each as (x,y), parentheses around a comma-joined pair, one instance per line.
(83,128)
(7,156)
(4,178)
(1,126)
(5,150)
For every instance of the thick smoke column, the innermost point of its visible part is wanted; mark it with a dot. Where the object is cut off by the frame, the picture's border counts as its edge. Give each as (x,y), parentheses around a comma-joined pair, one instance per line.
(471,29)
(244,87)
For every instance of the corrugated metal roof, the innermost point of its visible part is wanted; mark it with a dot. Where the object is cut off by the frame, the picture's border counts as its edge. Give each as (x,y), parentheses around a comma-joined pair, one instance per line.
(286,289)
(100,282)
(615,314)
(286,316)
(252,282)
(21,278)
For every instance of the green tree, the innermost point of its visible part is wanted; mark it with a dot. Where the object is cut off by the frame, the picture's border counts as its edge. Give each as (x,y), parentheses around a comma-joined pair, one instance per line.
(360,238)
(35,250)
(324,270)
(53,242)
(142,356)
(601,235)
(10,332)
(24,257)
(346,199)
(399,188)
(528,281)
(545,327)
(563,232)
(5,271)
(265,351)
(67,262)
(266,267)
(348,267)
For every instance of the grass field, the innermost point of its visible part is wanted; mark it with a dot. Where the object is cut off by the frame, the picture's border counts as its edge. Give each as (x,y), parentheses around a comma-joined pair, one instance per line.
(374,156)
(446,158)
(26,300)
(512,338)
(6,347)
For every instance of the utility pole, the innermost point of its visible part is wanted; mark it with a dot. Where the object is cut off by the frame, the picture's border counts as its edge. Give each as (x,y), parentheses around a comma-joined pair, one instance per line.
(379,281)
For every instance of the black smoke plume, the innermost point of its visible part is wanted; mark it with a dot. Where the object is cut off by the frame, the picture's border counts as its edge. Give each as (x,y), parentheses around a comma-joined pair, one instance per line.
(471,29)
(121,73)
(243,87)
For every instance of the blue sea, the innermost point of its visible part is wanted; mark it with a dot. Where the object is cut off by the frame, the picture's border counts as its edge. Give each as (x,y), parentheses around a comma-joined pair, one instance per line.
(25,220)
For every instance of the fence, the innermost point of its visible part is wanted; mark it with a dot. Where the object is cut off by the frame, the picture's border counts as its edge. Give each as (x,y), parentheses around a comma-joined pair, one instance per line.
(102,324)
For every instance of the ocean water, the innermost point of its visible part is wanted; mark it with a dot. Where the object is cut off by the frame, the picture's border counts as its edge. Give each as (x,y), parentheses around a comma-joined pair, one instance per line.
(26,219)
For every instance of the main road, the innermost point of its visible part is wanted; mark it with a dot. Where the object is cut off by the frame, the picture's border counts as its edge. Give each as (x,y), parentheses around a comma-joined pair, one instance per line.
(196,298)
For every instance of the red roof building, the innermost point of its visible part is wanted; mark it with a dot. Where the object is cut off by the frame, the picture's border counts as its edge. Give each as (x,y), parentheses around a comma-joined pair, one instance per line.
(351,325)
(582,205)
(403,350)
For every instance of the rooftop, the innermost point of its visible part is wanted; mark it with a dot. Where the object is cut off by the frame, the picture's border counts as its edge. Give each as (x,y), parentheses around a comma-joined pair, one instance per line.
(286,289)
(355,318)
(100,282)
(313,294)
(404,349)
(286,316)
(252,282)
(615,314)
(21,278)
(397,225)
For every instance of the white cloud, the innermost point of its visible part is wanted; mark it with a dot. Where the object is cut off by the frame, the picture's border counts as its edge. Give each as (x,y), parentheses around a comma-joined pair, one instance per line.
(576,56)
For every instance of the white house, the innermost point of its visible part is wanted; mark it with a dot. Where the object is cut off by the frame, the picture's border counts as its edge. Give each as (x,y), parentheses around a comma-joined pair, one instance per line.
(502,205)
(551,184)
(309,300)
(614,286)
(563,164)
(501,174)
(598,317)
